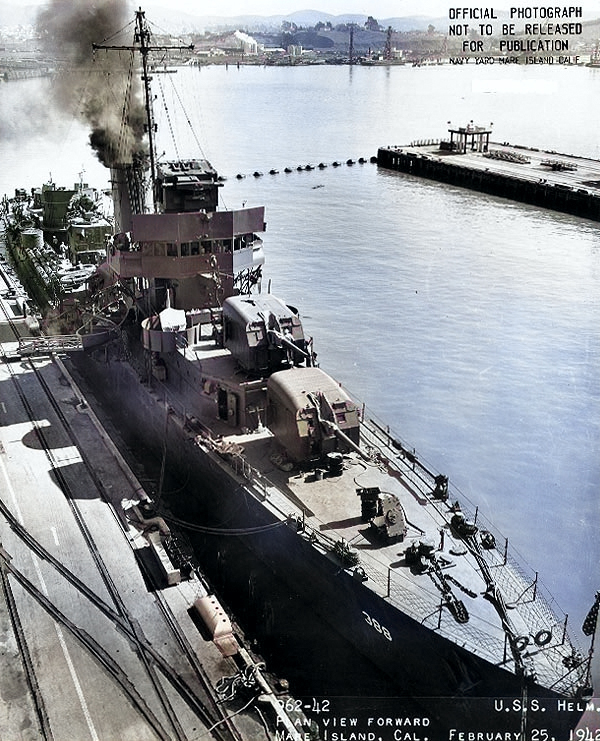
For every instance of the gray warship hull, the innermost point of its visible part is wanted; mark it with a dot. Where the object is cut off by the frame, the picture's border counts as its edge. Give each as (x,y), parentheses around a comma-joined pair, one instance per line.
(452,687)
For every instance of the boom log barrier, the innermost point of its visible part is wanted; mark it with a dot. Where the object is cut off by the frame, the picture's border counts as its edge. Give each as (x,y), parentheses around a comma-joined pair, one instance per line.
(309,167)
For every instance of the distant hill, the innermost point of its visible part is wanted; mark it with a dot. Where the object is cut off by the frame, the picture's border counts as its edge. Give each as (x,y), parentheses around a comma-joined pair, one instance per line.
(167,20)
(163,19)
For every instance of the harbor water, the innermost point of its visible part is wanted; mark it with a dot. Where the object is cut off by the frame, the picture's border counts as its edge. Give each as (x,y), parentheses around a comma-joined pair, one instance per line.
(467,323)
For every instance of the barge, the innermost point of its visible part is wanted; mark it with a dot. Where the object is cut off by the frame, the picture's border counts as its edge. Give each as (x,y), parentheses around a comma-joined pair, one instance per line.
(560,182)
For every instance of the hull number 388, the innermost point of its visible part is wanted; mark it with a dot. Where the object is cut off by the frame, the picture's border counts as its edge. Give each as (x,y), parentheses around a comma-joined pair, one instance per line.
(377,626)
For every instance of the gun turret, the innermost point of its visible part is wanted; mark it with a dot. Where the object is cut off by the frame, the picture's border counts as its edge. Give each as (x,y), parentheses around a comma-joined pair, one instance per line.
(263,334)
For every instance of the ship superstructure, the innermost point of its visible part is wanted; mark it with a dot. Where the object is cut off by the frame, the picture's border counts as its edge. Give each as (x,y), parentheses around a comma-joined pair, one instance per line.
(57,238)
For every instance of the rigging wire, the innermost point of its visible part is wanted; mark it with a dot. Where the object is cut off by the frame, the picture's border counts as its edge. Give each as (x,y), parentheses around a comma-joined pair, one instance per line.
(116,33)
(123,99)
(168,116)
(187,118)
(163,31)
(189,123)
(124,123)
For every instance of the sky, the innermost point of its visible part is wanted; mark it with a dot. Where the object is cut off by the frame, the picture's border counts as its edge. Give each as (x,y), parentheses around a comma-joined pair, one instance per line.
(376,8)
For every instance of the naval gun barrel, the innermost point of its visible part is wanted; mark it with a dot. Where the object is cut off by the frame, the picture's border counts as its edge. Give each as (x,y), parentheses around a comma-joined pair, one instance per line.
(287,342)
(342,436)
(336,430)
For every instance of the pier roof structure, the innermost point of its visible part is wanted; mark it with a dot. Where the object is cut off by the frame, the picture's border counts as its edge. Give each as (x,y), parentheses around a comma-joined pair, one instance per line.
(477,138)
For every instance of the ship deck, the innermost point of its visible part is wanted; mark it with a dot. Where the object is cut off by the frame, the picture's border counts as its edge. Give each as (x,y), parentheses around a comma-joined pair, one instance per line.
(330,509)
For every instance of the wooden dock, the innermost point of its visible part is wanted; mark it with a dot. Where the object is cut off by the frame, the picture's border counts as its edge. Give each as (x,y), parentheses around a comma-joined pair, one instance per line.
(543,178)
(98,637)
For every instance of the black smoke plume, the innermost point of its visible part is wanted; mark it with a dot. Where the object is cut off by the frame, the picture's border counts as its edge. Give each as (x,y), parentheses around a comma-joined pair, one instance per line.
(102,86)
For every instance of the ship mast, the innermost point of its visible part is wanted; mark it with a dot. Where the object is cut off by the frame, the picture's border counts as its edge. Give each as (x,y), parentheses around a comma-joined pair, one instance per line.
(142,37)
(143,46)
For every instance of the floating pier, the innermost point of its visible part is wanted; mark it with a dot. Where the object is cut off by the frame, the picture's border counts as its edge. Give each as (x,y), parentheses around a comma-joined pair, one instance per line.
(556,181)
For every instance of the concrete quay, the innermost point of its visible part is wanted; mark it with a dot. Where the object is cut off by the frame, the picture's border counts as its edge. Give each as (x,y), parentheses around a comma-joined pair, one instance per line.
(90,648)
(551,180)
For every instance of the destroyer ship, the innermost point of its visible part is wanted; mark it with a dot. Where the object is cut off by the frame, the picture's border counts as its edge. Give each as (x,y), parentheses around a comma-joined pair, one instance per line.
(222,377)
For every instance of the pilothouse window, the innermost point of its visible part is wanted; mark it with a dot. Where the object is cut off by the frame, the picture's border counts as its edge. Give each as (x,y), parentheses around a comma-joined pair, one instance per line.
(158,249)
(243,240)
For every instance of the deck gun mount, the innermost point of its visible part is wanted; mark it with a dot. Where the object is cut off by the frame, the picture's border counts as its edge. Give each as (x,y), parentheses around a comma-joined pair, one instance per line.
(311,417)
(263,334)
(384,513)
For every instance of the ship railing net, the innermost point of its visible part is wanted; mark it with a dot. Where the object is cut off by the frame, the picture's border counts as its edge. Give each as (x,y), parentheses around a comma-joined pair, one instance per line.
(529,601)
(426,607)
(479,636)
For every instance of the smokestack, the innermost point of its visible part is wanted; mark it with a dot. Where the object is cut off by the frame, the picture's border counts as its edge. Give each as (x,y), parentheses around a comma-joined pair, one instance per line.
(129,190)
